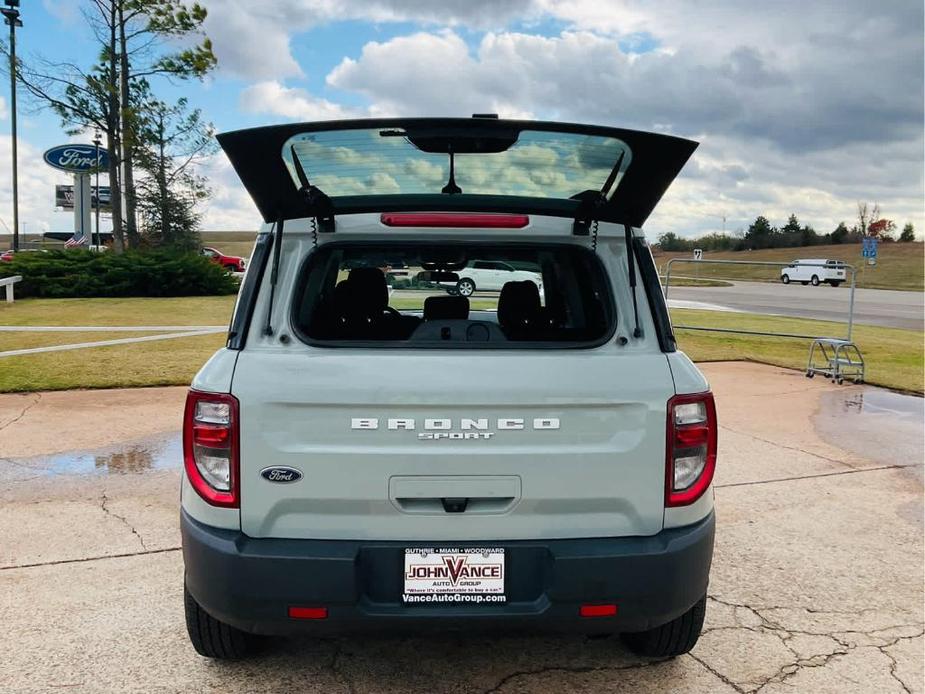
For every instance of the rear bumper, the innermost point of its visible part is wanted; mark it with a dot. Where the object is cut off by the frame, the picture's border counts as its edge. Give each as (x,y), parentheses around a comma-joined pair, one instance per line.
(250,583)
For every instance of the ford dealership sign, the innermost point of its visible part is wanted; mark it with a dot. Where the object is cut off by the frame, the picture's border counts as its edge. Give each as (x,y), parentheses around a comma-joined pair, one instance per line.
(76,158)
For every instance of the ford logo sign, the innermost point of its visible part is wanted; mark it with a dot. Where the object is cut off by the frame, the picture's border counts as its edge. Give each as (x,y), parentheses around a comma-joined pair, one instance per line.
(77,158)
(281,474)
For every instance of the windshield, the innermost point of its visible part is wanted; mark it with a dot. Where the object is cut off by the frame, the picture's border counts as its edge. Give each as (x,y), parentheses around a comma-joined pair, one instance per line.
(454,295)
(531,163)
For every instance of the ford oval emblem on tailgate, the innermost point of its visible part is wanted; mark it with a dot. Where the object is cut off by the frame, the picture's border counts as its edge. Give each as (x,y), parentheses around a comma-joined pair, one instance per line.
(278,473)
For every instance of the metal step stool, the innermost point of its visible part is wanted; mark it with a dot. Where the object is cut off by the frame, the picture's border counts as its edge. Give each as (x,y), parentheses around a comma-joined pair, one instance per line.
(835,359)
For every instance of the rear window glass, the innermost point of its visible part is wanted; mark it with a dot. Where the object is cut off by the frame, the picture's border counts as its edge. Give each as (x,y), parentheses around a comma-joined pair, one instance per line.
(453,295)
(544,164)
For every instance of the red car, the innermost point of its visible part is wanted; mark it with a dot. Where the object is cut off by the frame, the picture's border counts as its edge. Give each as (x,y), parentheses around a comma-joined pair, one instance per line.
(8,255)
(230,262)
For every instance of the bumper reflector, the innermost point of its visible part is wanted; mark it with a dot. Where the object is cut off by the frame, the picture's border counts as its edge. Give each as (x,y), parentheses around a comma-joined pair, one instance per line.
(598,610)
(308,612)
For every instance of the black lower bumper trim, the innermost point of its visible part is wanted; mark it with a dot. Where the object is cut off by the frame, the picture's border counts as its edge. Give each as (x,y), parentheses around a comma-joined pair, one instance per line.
(250,583)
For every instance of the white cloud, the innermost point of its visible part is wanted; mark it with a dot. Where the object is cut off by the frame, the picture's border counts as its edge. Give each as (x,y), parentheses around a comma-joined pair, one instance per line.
(252,39)
(291,103)
(800,107)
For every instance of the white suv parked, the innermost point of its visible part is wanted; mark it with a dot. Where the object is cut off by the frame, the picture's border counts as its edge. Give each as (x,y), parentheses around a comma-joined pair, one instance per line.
(358,459)
(489,275)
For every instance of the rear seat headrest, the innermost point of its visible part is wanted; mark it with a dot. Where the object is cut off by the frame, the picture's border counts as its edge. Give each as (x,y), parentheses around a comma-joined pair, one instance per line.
(519,304)
(369,287)
(446,308)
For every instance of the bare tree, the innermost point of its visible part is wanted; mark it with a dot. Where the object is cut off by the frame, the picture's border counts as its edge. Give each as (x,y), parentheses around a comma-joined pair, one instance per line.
(867,214)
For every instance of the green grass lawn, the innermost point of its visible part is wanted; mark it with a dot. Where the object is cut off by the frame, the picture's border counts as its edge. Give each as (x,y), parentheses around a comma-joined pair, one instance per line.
(28,340)
(161,363)
(694,282)
(194,310)
(894,357)
(899,265)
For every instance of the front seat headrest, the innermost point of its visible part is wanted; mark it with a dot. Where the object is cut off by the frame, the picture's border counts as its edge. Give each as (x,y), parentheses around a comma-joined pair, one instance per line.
(519,304)
(446,308)
(370,288)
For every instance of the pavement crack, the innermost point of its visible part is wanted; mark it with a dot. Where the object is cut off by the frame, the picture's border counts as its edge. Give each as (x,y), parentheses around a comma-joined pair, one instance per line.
(893,663)
(786,634)
(82,560)
(717,673)
(575,669)
(797,449)
(124,521)
(22,413)
(796,478)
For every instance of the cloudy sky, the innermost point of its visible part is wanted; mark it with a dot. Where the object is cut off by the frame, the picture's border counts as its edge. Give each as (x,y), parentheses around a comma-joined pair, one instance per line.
(804,107)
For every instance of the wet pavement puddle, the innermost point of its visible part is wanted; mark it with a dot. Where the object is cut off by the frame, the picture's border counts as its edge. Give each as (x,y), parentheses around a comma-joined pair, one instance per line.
(145,455)
(880,425)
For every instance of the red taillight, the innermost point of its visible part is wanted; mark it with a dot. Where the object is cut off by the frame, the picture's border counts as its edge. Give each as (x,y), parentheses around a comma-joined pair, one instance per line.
(690,448)
(210,447)
(308,612)
(454,220)
(598,610)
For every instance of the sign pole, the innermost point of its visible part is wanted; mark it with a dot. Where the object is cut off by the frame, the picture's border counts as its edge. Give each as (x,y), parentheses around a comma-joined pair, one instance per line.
(12,18)
(82,205)
(96,143)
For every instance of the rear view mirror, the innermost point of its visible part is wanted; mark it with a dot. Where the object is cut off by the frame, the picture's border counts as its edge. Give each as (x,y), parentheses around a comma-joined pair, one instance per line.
(437,276)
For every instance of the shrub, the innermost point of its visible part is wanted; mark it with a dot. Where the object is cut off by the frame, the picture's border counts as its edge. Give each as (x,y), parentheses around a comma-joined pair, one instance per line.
(79,273)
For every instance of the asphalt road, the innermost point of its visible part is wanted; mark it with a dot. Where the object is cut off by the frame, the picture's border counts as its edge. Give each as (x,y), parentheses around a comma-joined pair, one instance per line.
(816,583)
(883,307)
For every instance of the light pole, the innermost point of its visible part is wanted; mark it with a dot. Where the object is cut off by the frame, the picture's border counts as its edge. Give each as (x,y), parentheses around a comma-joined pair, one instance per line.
(96,143)
(11,12)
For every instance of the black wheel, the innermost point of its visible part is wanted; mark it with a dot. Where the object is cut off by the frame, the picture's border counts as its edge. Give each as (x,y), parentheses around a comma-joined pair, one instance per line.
(785,279)
(839,381)
(672,639)
(815,281)
(810,374)
(210,637)
(465,287)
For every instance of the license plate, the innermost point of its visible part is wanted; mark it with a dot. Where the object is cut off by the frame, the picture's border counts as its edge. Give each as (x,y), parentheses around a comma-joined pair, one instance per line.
(454,575)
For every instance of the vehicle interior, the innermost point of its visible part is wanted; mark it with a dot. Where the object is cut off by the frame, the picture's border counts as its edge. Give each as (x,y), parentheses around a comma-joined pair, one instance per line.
(401,294)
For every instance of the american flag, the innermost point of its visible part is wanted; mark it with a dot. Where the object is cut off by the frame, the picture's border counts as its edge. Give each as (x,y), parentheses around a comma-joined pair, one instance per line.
(75,241)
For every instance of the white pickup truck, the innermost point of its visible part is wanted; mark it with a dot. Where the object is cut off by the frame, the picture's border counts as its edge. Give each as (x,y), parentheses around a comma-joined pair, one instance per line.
(360,459)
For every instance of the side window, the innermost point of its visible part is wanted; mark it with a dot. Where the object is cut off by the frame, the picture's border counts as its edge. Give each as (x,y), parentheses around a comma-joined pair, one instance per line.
(481,265)
(505,267)
(208,252)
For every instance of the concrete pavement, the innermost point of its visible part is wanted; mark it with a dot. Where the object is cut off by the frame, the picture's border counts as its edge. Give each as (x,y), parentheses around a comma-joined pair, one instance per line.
(883,307)
(817,584)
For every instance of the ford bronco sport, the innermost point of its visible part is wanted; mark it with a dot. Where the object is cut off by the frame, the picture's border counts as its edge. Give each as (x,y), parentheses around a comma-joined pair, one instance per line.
(367,452)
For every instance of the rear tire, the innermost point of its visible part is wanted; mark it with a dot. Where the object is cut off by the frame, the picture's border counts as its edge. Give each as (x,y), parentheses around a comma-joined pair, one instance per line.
(815,281)
(210,637)
(669,640)
(465,287)
(785,279)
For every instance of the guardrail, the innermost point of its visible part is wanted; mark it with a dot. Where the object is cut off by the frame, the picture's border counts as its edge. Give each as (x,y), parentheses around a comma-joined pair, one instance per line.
(850,320)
